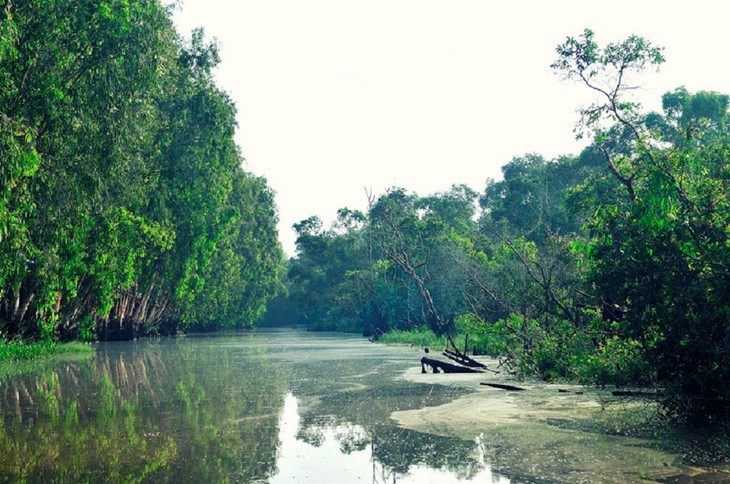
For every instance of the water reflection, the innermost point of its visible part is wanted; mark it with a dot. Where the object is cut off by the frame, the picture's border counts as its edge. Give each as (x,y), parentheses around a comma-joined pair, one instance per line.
(142,413)
(280,407)
(381,454)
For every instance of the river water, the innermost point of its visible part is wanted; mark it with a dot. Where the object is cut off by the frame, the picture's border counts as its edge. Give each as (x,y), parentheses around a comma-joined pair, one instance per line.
(287,406)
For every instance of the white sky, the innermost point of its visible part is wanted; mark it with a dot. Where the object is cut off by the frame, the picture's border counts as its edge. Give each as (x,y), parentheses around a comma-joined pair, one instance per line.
(339,96)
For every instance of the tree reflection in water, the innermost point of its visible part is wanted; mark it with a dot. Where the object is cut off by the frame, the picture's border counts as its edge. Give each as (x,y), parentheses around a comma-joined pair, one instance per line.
(328,449)
(243,408)
(356,418)
(165,412)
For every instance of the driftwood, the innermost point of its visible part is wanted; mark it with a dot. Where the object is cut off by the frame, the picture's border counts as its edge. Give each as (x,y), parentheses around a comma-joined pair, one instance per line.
(501,386)
(444,367)
(462,359)
(629,393)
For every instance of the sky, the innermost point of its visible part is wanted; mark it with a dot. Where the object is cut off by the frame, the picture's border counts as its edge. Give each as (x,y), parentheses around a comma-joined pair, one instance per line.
(340,98)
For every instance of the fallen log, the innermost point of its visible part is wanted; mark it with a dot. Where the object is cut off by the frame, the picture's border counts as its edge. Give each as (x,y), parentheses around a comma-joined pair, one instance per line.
(462,359)
(510,388)
(630,393)
(444,367)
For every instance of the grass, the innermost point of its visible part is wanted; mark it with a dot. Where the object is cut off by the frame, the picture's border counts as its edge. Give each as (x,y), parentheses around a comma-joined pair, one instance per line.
(20,350)
(18,357)
(416,337)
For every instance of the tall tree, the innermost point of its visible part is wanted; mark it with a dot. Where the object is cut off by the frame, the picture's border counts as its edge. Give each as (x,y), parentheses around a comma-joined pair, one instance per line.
(660,253)
(123,184)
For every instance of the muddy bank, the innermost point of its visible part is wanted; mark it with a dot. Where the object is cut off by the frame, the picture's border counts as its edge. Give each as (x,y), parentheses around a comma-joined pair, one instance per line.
(552,433)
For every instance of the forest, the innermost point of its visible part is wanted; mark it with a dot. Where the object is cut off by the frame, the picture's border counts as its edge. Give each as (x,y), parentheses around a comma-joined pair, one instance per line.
(124,205)
(608,268)
(125,210)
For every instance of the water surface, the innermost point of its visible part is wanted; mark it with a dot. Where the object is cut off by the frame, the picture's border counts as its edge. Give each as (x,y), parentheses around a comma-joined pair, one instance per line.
(288,406)
(276,406)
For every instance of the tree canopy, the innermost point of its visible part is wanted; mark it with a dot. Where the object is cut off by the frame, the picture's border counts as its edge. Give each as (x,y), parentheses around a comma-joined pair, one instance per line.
(124,207)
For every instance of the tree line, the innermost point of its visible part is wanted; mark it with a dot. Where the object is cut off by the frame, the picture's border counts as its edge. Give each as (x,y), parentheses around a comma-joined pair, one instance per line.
(124,207)
(610,267)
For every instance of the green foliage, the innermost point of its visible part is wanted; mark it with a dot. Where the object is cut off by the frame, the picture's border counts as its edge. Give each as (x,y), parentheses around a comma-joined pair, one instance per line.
(689,118)
(617,361)
(660,256)
(389,269)
(15,350)
(326,280)
(123,200)
(668,272)
(529,200)
(607,71)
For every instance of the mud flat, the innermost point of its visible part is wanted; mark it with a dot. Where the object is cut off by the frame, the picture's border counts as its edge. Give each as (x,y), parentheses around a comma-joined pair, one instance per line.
(551,433)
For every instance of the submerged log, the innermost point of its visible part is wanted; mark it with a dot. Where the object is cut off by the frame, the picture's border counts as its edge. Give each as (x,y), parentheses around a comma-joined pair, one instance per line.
(510,388)
(444,367)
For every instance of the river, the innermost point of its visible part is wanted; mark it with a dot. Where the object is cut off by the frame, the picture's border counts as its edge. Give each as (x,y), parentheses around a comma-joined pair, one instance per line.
(287,406)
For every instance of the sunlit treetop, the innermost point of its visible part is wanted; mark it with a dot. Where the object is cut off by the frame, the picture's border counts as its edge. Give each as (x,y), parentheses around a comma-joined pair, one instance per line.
(607,71)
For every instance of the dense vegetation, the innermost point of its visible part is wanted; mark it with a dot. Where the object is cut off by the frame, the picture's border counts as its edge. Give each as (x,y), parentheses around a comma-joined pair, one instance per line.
(611,267)
(124,207)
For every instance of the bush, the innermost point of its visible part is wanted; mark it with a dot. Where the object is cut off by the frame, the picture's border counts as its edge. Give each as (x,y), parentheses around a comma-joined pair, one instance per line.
(557,349)
(617,362)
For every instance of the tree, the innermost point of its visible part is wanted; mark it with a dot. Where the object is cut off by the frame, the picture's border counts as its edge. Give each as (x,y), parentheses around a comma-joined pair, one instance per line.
(660,255)
(420,244)
(530,199)
(691,118)
(324,280)
(122,193)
